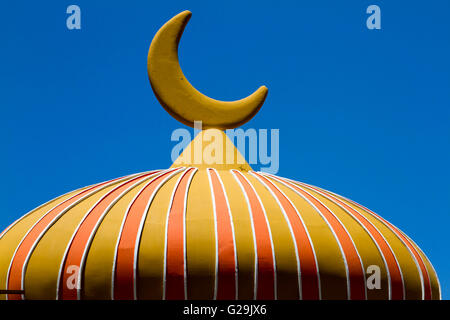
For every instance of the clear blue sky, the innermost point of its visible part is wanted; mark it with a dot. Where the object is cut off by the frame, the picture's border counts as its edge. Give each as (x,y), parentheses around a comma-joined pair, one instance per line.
(363,113)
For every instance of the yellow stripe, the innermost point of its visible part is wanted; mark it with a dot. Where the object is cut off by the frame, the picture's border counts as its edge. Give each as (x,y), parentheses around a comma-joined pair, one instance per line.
(150,262)
(200,239)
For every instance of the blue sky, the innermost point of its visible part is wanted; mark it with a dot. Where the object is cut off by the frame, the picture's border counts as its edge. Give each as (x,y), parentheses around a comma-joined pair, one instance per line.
(364,113)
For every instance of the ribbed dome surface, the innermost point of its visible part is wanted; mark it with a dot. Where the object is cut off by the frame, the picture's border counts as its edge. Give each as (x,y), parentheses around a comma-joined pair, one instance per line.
(202,233)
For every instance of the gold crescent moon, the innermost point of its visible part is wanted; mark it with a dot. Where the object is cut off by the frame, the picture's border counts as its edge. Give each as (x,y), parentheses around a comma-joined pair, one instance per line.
(179,97)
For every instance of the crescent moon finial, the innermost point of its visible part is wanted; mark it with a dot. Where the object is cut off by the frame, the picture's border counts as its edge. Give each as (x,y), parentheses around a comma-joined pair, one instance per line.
(179,97)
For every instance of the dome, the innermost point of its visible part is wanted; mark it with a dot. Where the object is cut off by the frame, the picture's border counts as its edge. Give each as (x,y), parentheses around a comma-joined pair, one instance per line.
(202,230)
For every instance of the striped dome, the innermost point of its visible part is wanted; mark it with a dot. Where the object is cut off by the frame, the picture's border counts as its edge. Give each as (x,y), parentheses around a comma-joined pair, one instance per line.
(204,233)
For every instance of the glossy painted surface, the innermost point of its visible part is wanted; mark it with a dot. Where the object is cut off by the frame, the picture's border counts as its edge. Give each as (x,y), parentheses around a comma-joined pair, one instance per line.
(203,233)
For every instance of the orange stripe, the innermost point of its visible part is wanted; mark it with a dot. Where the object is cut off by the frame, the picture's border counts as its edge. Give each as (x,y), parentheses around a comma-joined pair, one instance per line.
(308,265)
(80,241)
(264,250)
(176,241)
(226,269)
(124,281)
(35,233)
(394,269)
(354,265)
(423,269)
